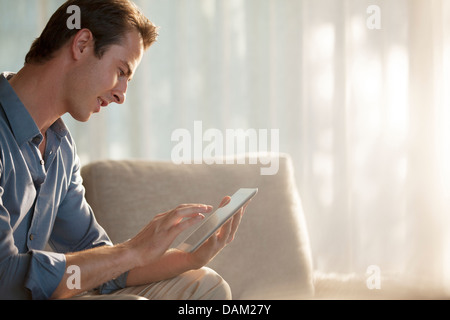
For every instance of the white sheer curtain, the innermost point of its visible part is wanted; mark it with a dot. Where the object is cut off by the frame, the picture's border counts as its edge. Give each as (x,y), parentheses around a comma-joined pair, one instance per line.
(363,112)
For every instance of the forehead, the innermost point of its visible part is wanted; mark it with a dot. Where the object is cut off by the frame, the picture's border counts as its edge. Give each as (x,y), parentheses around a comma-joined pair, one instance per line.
(129,51)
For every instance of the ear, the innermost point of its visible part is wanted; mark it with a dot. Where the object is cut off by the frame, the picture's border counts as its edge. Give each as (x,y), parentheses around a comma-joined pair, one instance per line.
(82,43)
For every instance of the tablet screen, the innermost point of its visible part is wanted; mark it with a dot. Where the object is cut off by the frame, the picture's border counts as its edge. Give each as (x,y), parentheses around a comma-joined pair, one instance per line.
(217,219)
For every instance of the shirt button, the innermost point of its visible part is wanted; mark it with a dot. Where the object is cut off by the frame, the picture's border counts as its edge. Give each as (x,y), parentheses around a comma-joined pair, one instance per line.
(36,140)
(31,237)
(42,162)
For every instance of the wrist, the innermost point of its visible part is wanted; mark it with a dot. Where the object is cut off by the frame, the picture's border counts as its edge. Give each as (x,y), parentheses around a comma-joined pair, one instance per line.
(130,254)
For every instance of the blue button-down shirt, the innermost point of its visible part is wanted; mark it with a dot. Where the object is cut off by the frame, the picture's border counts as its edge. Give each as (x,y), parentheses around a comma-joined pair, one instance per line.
(41,201)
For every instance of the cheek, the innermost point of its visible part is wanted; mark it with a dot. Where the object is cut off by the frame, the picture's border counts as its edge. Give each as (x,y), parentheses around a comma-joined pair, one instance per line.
(94,79)
(105,81)
(99,75)
(95,87)
(83,83)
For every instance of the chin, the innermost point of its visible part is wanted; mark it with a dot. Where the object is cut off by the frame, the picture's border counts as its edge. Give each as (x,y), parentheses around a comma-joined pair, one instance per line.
(81,117)
(83,120)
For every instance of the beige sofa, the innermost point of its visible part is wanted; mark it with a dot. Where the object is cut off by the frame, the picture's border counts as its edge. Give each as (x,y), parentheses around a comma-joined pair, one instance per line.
(270,257)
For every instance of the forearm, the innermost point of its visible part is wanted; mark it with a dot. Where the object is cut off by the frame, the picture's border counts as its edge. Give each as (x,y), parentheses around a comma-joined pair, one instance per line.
(171,264)
(146,251)
(96,266)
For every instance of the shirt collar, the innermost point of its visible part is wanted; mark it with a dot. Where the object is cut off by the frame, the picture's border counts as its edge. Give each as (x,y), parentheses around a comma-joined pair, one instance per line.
(59,128)
(22,124)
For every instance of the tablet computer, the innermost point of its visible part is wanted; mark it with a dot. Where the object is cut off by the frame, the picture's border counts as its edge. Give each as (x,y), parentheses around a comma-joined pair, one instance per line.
(212,223)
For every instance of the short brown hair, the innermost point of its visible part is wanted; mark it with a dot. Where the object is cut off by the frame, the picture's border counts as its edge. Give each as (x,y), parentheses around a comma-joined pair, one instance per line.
(108,20)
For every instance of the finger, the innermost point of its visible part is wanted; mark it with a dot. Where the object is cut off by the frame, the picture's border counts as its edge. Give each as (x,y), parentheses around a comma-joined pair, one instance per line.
(236,221)
(173,211)
(237,218)
(244,207)
(224,232)
(189,211)
(184,205)
(225,201)
(228,230)
(187,223)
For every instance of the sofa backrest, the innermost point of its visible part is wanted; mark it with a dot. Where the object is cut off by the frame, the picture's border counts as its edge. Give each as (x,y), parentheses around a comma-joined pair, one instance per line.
(270,256)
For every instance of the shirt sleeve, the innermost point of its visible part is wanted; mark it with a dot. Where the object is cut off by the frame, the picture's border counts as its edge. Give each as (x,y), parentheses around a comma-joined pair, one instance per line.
(35,274)
(45,272)
(76,228)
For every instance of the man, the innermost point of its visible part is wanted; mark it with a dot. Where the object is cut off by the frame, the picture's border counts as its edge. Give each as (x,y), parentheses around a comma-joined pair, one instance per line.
(79,71)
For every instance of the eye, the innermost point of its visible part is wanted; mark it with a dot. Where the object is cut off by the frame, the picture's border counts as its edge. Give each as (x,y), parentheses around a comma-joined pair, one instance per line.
(121,73)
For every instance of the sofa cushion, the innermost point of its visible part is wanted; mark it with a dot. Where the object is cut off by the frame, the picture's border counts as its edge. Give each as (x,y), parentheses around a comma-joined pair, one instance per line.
(270,257)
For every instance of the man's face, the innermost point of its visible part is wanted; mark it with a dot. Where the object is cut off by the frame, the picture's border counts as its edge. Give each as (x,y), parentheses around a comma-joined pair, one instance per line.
(95,82)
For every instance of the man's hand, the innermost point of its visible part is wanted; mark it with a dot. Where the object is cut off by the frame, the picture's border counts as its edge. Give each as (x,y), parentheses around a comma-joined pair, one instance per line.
(207,251)
(155,239)
(174,262)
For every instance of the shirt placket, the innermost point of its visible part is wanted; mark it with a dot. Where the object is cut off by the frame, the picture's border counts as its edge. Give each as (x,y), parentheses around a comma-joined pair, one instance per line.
(36,165)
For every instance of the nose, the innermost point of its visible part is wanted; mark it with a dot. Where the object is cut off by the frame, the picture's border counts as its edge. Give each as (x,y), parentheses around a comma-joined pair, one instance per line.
(120,92)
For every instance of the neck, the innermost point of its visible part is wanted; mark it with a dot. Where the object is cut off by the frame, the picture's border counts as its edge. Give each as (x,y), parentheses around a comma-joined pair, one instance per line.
(40,92)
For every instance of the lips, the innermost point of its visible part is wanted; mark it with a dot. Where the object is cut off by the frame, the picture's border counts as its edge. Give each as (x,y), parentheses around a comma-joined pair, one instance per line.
(102,102)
